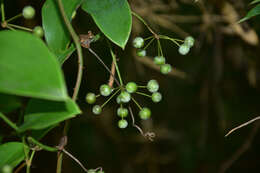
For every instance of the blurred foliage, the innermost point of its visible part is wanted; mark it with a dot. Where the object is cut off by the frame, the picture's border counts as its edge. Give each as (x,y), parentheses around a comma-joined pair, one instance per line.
(221,91)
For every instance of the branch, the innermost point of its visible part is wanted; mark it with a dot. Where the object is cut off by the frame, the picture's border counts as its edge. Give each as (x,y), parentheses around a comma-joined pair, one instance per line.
(242,125)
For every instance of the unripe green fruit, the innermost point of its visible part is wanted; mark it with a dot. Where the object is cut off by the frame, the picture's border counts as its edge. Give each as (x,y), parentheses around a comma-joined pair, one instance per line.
(152,86)
(131,87)
(184,49)
(28,12)
(156,97)
(141,52)
(91,171)
(105,90)
(122,112)
(138,42)
(100,172)
(159,60)
(125,97)
(7,169)
(90,98)
(166,68)
(97,109)
(38,31)
(189,41)
(145,113)
(122,124)
(118,99)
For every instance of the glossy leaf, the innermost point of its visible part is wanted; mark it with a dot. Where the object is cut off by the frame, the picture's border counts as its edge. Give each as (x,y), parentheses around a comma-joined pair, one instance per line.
(28,68)
(253,12)
(56,33)
(113,17)
(12,153)
(41,114)
(9,103)
(39,134)
(64,55)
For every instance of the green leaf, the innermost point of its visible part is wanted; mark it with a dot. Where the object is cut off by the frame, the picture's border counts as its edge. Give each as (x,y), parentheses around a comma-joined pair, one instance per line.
(56,33)
(254,2)
(63,56)
(9,103)
(41,114)
(113,17)
(12,153)
(253,12)
(28,68)
(39,134)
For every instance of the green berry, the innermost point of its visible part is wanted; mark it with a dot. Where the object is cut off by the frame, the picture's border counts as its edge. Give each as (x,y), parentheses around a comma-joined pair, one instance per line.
(105,90)
(122,124)
(97,109)
(91,171)
(7,169)
(159,60)
(156,97)
(100,172)
(138,42)
(166,68)
(145,113)
(118,99)
(189,41)
(28,12)
(38,31)
(184,49)
(74,14)
(152,86)
(91,98)
(141,52)
(125,97)
(131,87)
(122,112)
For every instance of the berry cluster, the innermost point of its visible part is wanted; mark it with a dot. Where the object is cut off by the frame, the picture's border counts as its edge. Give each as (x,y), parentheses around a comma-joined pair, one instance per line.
(124,94)
(160,60)
(94,171)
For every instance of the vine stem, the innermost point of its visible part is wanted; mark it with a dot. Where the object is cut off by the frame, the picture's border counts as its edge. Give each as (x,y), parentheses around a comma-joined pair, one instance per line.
(29,162)
(76,40)
(10,123)
(15,17)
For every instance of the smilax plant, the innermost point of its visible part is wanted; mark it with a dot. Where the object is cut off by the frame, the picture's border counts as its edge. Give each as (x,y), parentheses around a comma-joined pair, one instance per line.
(33,71)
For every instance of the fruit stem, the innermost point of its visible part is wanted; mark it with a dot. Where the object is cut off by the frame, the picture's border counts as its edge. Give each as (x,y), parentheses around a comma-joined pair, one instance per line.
(149,43)
(159,48)
(19,27)
(137,104)
(15,17)
(2,10)
(140,93)
(104,104)
(174,40)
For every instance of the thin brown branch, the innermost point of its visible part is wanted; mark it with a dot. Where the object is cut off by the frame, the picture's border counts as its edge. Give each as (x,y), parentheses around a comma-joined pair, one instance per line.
(242,125)
(228,163)
(147,135)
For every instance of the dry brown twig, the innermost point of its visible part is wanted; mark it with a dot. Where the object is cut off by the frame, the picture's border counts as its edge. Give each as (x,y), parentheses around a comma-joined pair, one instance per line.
(242,125)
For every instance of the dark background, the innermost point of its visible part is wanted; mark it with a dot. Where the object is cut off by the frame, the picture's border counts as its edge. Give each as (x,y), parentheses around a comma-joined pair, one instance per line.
(219,92)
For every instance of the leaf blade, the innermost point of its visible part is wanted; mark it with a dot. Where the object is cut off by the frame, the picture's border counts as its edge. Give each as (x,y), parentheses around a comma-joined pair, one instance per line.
(32,69)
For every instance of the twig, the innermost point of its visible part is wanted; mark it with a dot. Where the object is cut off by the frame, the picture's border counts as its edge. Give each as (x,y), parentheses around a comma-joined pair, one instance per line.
(148,135)
(20,167)
(242,125)
(227,164)
(75,159)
